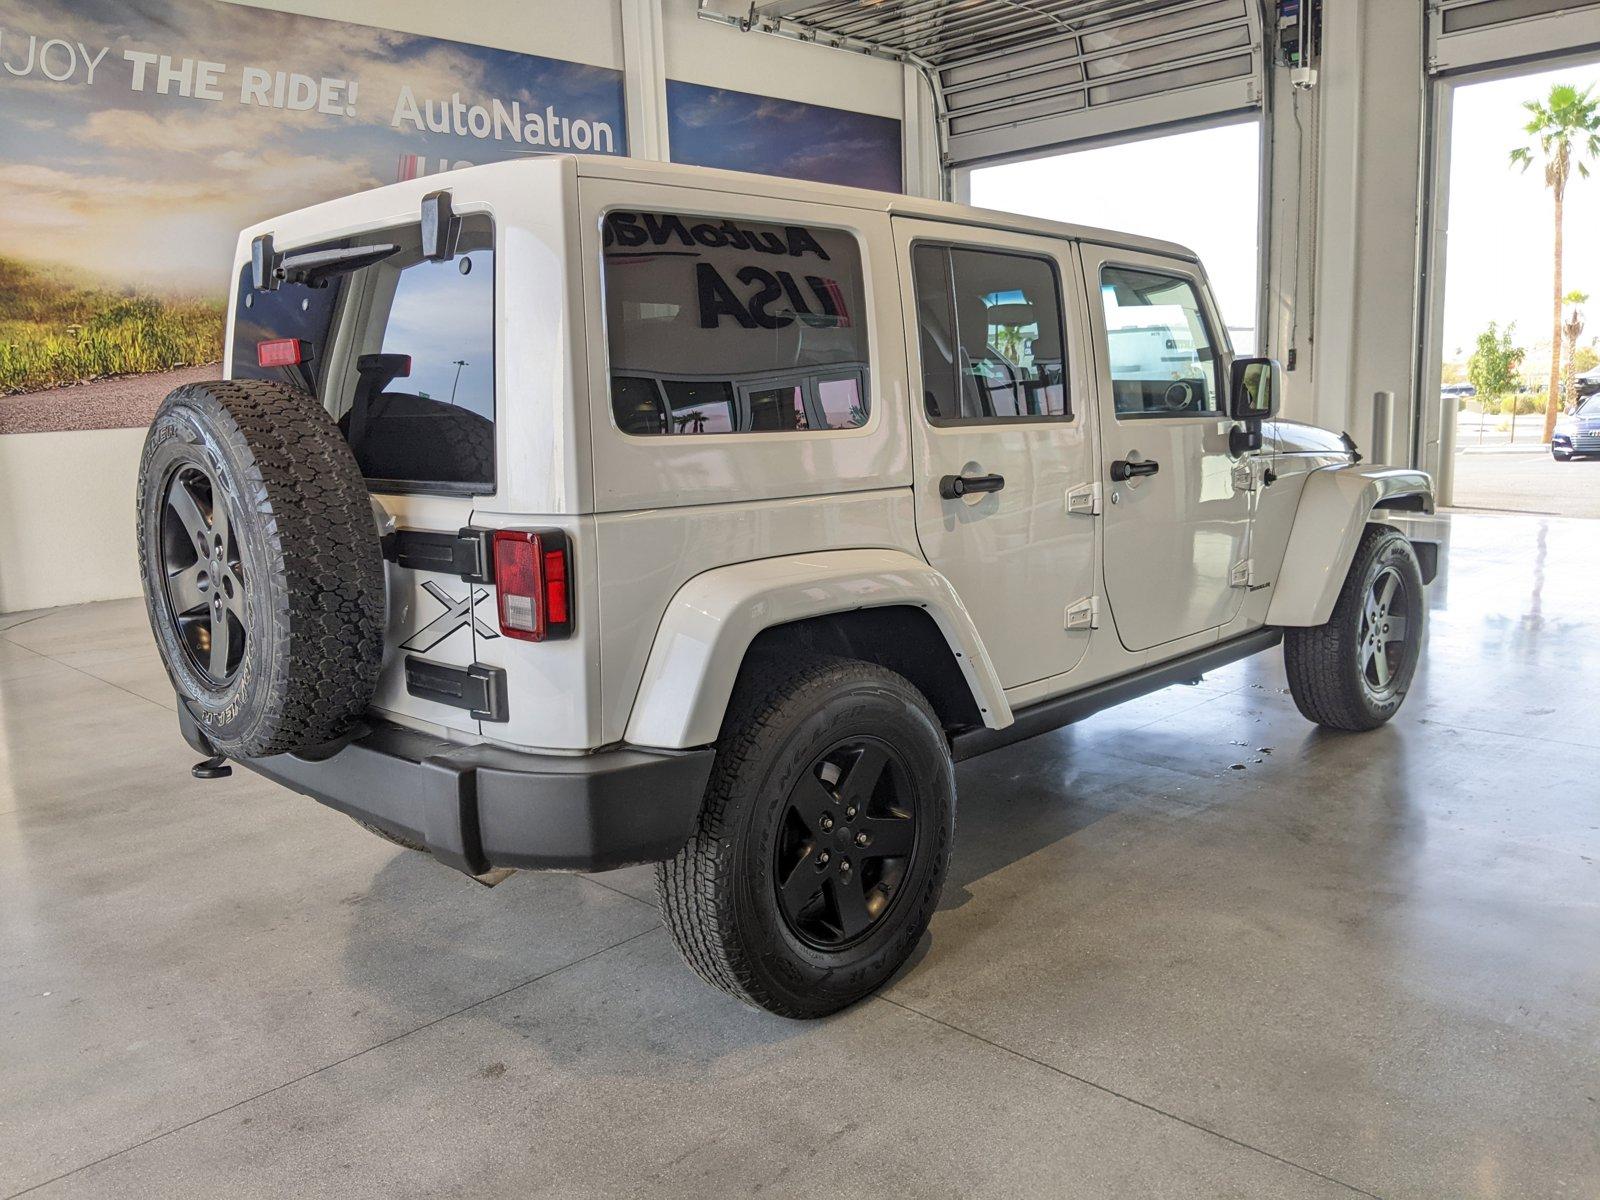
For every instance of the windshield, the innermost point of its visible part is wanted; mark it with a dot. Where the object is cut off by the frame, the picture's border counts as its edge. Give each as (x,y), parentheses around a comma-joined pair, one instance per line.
(1589,406)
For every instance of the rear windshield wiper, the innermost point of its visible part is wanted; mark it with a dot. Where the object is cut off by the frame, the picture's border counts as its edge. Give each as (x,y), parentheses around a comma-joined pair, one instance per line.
(315,268)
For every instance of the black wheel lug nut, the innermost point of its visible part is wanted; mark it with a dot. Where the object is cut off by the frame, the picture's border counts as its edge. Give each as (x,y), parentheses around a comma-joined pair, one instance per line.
(827,823)
(823,858)
(861,839)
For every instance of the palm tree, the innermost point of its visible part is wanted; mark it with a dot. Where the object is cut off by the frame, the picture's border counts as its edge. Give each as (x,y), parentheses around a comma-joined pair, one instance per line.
(1573,329)
(1566,127)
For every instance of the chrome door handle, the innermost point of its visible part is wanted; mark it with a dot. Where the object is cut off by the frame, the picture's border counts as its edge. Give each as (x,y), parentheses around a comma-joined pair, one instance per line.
(1122,470)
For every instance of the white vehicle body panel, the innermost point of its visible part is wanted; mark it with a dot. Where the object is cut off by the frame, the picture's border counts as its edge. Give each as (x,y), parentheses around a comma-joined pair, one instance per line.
(646,557)
(1172,539)
(1018,557)
(715,616)
(1336,505)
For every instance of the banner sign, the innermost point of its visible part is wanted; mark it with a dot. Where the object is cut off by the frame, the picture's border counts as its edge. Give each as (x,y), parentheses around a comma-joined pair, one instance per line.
(137,137)
(740,131)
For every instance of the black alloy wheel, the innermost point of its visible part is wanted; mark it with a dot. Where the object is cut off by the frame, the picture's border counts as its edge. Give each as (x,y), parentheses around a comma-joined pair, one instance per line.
(823,839)
(203,573)
(262,568)
(847,838)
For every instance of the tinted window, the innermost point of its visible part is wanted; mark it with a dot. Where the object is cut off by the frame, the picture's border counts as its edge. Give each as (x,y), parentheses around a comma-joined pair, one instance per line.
(1163,361)
(991,335)
(413,389)
(733,326)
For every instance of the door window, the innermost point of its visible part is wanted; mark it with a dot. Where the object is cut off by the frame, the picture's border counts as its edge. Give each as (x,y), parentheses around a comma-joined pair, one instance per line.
(1163,360)
(993,345)
(733,326)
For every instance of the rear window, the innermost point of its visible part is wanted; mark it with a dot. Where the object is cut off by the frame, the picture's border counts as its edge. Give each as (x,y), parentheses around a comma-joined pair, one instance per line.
(723,325)
(401,353)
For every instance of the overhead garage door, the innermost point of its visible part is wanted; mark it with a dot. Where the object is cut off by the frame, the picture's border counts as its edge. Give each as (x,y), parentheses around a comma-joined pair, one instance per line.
(1463,34)
(1128,68)
(1017,77)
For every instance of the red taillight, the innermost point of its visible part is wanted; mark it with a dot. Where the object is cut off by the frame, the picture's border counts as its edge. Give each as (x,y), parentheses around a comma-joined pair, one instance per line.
(531,574)
(280,352)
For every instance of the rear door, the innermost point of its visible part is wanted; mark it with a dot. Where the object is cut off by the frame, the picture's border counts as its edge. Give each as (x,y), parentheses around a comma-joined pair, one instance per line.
(1177,520)
(401,353)
(1003,443)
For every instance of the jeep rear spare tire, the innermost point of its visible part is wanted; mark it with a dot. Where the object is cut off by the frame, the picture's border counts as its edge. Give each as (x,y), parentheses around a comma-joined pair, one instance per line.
(262,569)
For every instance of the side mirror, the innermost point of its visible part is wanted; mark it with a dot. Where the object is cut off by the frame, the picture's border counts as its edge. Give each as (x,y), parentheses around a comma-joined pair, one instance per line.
(1256,385)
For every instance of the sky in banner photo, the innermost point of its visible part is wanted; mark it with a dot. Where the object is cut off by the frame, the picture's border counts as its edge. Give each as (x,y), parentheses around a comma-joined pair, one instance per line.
(741,131)
(137,137)
(140,135)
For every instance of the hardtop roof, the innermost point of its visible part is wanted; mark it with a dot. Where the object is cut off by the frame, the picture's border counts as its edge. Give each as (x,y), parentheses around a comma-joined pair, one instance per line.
(746,183)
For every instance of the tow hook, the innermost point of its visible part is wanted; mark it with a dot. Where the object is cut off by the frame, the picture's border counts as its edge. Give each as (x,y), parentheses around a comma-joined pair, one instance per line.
(215,767)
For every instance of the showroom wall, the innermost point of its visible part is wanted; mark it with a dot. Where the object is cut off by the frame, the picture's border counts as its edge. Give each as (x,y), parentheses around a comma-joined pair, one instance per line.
(66,491)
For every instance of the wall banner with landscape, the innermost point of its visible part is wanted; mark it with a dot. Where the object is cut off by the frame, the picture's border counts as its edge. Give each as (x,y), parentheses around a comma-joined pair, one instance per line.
(741,131)
(137,137)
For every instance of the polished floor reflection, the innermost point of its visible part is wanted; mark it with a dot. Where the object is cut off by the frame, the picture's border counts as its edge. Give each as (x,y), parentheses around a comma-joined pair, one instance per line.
(1191,947)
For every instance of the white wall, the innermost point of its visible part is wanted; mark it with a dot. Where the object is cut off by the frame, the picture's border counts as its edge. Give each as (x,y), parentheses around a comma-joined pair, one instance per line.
(717,55)
(66,499)
(66,517)
(1369,197)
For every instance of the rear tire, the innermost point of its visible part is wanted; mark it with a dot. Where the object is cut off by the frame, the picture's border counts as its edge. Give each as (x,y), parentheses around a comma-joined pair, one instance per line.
(823,840)
(1353,672)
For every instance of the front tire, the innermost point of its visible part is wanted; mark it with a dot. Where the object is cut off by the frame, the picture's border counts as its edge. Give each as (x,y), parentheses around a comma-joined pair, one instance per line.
(1353,672)
(823,840)
(1561,455)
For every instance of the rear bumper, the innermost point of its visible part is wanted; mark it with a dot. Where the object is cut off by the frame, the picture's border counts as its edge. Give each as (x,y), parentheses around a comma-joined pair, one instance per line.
(477,807)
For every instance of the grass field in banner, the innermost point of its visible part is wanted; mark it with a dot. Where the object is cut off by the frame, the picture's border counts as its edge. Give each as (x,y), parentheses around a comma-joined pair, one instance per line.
(55,330)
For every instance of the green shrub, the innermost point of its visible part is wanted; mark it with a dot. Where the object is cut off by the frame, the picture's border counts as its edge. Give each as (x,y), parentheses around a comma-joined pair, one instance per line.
(53,331)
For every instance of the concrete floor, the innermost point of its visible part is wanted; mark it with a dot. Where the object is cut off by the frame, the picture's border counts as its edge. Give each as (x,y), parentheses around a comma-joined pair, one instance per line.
(1359,964)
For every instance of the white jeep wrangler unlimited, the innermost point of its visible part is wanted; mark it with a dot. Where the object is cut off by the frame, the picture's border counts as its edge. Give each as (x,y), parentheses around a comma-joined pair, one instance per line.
(575,512)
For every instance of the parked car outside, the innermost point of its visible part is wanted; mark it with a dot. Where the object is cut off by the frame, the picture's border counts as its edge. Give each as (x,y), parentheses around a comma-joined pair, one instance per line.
(1577,434)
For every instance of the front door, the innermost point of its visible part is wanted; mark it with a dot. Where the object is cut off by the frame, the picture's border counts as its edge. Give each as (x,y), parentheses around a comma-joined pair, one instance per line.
(1003,439)
(1177,517)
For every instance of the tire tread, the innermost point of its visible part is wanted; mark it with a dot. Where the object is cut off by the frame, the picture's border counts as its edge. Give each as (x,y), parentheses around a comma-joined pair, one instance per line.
(1318,659)
(694,888)
(325,592)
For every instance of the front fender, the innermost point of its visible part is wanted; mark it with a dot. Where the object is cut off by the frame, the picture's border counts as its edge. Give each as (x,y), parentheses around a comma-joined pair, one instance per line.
(1336,506)
(711,622)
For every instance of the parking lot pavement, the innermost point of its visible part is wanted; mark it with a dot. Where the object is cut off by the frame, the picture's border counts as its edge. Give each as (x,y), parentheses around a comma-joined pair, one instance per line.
(1511,481)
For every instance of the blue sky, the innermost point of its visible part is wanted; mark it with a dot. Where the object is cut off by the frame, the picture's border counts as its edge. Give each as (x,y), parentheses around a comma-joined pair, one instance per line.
(740,131)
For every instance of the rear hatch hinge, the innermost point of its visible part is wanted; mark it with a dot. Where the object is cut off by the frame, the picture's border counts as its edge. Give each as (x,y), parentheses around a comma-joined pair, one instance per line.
(467,553)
